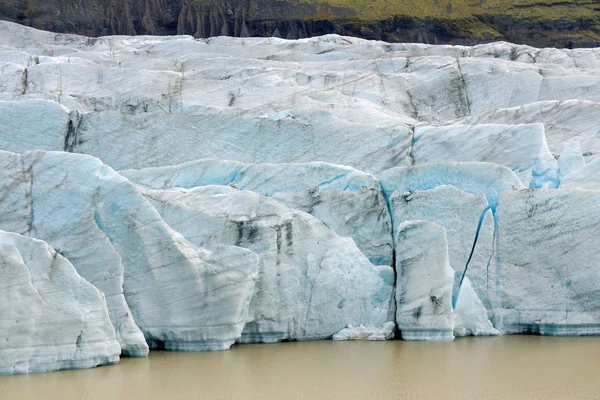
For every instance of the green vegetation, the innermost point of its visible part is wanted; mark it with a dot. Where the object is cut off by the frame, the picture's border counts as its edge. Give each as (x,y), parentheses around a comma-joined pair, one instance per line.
(544,10)
(557,22)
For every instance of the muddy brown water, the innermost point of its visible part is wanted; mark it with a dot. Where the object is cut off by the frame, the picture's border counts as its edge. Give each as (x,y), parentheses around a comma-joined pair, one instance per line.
(511,367)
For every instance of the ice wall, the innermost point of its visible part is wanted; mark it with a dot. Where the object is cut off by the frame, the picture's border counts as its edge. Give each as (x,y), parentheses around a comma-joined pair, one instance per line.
(51,318)
(255,190)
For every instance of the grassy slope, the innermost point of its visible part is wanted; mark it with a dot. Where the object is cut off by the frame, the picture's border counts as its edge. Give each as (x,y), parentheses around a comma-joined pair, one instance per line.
(370,10)
(538,22)
(466,17)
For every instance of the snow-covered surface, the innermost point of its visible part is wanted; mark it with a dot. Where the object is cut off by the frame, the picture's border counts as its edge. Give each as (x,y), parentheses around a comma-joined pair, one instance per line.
(51,318)
(147,101)
(267,188)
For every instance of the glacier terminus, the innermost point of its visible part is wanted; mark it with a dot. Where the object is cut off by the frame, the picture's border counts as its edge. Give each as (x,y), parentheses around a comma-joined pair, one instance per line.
(191,194)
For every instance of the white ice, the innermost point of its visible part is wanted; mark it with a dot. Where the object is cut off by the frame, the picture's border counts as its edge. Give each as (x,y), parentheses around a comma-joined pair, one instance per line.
(51,318)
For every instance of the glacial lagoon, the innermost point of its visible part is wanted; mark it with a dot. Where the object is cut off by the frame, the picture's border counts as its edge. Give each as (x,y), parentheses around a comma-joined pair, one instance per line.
(508,367)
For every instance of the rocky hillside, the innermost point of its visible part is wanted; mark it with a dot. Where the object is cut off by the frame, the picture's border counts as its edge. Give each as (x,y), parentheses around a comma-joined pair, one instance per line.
(557,23)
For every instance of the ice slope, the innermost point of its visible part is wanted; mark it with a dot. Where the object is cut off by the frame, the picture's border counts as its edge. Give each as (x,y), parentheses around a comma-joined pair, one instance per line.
(470,315)
(183,67)
(522,148)
(150,101)
(118,242)
(349,201)
(362,215)
(563,121)
(51,318)
(471,177)
(497,83)
(264,179)
(311,282)
(585,177)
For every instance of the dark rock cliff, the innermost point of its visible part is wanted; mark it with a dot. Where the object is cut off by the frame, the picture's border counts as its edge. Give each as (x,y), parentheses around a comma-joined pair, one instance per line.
(557,23)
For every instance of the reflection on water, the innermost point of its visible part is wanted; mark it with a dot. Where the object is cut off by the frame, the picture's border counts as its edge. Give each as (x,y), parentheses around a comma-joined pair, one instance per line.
(517,367)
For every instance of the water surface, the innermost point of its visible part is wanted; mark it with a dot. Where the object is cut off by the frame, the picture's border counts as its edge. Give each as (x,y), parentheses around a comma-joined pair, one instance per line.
(512,367)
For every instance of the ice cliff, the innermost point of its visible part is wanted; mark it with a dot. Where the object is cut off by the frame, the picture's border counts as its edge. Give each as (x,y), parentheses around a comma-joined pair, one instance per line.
(51,318)
(182,194)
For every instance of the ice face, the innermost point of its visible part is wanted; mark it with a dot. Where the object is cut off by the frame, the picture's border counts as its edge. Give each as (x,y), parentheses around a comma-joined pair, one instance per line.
(119,243)
(467,220)
(311,282)
(522,148)
(471,177)
(546,282)
(347,200)
(46,135)
(53,197)
(268,188)
(585,177)
(51,317)
(425,279)
(570,159)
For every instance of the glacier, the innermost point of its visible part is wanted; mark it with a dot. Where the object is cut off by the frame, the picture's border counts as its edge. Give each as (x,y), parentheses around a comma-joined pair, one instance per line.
(465,217)
(385,332)
(349,201)
(522,148)
(194,194)
(51,318)
(551,286)
(49,196)
(311,282)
